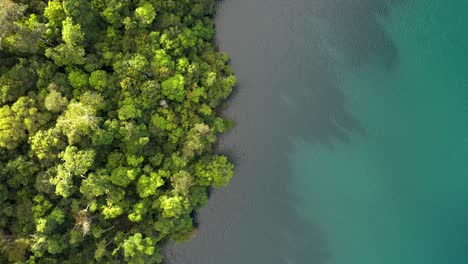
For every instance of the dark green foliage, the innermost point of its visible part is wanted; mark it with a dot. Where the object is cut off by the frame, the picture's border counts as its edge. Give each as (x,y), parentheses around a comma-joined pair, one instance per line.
(108,116)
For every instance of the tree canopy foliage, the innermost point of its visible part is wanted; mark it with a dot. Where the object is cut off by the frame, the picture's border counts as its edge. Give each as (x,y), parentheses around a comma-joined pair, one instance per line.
(108,118)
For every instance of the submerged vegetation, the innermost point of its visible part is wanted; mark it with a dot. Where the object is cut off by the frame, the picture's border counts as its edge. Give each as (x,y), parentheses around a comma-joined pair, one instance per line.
(108,116)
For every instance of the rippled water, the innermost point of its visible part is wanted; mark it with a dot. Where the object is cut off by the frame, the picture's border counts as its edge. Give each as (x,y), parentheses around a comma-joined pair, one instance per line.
(352,136)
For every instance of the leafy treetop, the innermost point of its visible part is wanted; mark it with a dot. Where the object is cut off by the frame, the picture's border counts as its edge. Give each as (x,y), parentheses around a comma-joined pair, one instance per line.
(108,116)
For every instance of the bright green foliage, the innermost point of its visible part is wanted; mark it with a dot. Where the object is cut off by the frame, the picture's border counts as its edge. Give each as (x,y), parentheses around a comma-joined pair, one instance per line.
(138,249)
(95,184)
(56,244)
(46,144)
(148,185)
(173,88)
(70,52)
(77,162)
(128,110)
(139,211)
(12,130)
(26,110)
(51,221)
(162,59)
(66,54)
(78,120)
(108,119)
(110,211)
(173,206)
(216,171)
(54,13)
(111,12)
(145,13)
(71,34)
(122,176)
(98,80)
(63,182)
(78,79)
(138,63)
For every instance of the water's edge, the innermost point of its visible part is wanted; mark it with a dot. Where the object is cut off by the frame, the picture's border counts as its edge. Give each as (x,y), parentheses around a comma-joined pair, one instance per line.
(306,99)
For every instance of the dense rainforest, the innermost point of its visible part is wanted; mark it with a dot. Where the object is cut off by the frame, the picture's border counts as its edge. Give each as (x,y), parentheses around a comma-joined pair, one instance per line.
(108,119)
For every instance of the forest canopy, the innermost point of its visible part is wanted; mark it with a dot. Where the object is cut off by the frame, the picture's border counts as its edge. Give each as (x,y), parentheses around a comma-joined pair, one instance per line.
(108,119)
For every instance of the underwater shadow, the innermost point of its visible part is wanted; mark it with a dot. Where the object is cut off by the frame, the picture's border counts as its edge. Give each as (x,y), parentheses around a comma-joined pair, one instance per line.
(343,36)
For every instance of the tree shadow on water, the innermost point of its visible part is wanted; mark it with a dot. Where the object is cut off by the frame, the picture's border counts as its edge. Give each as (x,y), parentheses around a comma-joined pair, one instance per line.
(354,28)
(348,36)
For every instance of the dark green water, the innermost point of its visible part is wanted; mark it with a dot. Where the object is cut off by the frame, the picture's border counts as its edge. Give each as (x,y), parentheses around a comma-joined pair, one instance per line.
(352,137)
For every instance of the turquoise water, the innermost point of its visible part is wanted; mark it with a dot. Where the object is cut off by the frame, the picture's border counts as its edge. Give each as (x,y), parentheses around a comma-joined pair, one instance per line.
(397,191)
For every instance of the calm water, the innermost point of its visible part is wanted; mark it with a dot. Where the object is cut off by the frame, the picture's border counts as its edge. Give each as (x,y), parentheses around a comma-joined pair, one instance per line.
(352,137)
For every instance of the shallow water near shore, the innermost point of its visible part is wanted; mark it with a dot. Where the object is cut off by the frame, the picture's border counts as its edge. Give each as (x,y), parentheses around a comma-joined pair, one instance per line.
(351,141)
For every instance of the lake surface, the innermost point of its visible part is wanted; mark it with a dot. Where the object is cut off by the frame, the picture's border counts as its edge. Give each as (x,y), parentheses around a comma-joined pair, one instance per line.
(352,138)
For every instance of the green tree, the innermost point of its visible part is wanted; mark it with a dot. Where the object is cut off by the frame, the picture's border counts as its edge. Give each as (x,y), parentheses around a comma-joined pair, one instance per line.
(108,116)
(139,250)
(113,11)
(28,36)
(197,139)
(182,181)
(55,102)
(128,110)
(71,33)
(145,13)
(111,210)
(46,144)
(147,186)
(216,171)
(16,81)
(18,251)
(77,162)
(139,211)
(63,182)
(78,79)
(79,120)
(98,80)
(54,13)
(95,184)
(12,130)
(173,206)
(26,110)
(66,54)
(10,12)
(123,176)
(173,88)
